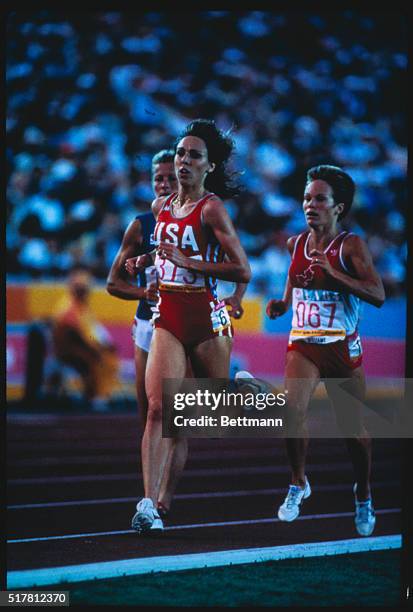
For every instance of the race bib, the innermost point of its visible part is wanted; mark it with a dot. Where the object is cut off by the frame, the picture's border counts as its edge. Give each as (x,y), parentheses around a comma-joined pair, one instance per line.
(219,316)
(174,276)
(318,316)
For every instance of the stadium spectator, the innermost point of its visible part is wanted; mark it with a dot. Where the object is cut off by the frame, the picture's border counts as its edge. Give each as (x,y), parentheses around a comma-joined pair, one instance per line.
(85,93)
(81,342)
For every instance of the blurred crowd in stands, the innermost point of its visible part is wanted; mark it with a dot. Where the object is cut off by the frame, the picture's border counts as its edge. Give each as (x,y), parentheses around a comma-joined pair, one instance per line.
(92,96)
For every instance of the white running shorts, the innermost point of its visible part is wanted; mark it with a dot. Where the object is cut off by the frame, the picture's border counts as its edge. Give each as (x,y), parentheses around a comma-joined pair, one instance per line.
(142,331)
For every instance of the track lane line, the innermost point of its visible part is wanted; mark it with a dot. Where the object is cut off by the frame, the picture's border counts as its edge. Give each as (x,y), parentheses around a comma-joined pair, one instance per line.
(197,526)
(183,496)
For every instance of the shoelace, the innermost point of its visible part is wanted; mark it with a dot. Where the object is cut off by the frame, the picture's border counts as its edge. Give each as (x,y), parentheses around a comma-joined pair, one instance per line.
(364,511)
(293,493)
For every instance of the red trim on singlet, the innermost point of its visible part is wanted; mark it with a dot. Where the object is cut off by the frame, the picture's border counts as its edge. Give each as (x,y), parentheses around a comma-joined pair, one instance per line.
(168,200)
(295,245)
(327,248)
(199,203)
(340,252)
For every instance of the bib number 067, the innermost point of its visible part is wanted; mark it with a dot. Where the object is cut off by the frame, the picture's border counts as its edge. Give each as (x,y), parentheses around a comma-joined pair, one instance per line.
(308,314)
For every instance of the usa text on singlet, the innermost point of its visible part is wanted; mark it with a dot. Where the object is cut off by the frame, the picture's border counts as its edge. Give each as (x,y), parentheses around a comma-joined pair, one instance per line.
(194,240)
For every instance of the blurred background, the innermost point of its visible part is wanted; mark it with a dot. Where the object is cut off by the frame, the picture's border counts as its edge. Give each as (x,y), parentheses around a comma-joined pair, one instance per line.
(92,96)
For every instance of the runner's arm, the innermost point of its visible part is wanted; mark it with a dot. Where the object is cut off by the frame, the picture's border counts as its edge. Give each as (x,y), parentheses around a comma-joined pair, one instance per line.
(276,308)
(365,282)
(117,283)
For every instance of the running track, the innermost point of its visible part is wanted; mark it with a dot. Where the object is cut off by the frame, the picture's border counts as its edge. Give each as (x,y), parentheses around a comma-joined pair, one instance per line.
(73,482)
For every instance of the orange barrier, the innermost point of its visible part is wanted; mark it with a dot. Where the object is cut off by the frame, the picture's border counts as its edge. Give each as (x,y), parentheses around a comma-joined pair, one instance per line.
(38,300)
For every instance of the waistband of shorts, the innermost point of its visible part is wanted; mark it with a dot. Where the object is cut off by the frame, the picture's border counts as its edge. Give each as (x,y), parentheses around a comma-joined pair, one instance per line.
(181,288)
(318,334)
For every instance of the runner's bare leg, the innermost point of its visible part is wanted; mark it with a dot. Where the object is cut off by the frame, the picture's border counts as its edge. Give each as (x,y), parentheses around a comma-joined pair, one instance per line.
(301,379)
(359,445)
(141,358)
(211,358)
(155,449)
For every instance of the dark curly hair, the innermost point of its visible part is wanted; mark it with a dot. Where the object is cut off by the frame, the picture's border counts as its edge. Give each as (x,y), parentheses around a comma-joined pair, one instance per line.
(340,182)
(220,147)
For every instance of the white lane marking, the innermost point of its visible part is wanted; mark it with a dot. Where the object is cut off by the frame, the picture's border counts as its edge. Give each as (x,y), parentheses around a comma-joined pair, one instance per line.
(232,471)
(212,494)
(196,526)
(168,563)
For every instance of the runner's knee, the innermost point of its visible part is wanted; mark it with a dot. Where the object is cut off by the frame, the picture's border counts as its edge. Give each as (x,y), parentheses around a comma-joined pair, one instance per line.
(154,411)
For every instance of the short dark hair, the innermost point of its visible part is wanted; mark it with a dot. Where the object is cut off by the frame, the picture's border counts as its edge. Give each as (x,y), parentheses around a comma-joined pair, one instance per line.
(163,157)
(220,146)
(340,182)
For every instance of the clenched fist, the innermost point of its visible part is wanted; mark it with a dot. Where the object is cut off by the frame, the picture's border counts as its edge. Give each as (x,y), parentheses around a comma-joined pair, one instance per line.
(275,308)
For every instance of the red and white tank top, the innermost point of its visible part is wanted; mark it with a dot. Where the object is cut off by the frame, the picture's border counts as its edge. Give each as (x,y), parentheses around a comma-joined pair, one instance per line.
(321,312)
(194,239)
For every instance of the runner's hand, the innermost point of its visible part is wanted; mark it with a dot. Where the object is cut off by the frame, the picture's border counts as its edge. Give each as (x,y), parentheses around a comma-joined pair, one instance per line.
(320,259)
(275,308)
(166,250)
(236,310)
(133,265)
(151,292)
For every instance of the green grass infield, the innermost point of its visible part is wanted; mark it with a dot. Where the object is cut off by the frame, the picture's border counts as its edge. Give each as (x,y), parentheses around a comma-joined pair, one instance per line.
(364,579)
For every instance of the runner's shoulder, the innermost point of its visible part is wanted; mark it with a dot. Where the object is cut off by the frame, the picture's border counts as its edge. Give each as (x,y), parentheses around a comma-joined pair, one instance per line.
(291,243)
(354,244)
(157,204)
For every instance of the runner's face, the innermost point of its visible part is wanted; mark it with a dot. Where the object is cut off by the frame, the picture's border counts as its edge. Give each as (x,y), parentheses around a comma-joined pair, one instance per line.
(164,179)
(319,205)
(191,161)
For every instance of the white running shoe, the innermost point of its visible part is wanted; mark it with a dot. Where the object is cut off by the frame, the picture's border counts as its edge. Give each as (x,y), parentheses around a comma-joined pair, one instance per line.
(247,383)
(243,374)
(364,517)
(290,509)
(146,518)
(156,527)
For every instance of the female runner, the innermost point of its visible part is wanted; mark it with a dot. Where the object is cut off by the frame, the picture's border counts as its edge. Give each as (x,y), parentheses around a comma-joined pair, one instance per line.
(330,272)
(194,234)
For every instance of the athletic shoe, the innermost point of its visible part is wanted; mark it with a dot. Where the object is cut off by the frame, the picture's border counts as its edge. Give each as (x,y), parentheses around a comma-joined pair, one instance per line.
(364,517)
(290,509)
(147,517)
(243,374)
(156,527)
(247,383)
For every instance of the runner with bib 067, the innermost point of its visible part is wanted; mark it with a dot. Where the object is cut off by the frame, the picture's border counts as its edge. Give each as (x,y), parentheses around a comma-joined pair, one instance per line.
(330,272)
